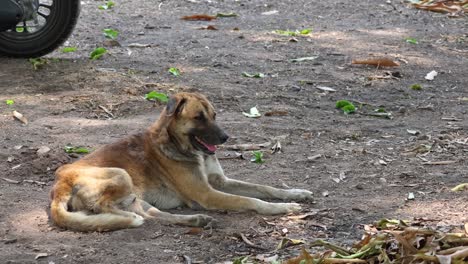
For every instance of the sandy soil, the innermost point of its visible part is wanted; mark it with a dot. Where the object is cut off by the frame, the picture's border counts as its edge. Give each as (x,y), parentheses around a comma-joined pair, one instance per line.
(368,165)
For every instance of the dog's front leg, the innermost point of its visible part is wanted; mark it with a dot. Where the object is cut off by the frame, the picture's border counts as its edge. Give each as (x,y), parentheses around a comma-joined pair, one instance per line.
(219,181)
(197,188)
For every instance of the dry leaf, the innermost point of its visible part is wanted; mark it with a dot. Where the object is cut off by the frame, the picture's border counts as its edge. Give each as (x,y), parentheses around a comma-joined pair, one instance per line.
(430,76)
(443,6)
(194,231)
(460,187)
(20,117)
(41,255)
(201,17)
(304,258)
(287,242)
(378,62)
(210,27)
(42,150)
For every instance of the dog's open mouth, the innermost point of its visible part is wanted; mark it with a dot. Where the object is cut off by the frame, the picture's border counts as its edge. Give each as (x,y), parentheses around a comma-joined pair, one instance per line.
(203,146)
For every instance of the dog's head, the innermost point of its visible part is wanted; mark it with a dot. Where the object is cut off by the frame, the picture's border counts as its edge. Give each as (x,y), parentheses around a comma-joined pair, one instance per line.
(192,123)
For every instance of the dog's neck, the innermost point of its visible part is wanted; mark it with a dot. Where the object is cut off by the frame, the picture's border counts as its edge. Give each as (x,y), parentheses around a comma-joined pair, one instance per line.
(160,140)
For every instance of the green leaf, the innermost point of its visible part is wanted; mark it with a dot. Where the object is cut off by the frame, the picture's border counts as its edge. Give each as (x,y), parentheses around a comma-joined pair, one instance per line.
(380,110)
(38,62)
(348,109)
(157,96)
(231,14)
(110,33)
(285,32)
(342,103)
(240,260)
(69,49)
(390,223)
(97,53)
(253,113)
(416,87)
(107,5)
(255,75)
(293,33)
(346,106)
(257,157)
(78,150)
(20,29)
(9,102)
(411,40)
(174,71)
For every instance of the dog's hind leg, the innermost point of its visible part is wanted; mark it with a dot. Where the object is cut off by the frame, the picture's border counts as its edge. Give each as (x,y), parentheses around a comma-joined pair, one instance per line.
(219,181)
(104,192)
(187,220)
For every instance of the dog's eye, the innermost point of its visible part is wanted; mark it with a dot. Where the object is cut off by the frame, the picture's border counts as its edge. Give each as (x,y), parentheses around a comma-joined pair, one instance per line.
(200,117)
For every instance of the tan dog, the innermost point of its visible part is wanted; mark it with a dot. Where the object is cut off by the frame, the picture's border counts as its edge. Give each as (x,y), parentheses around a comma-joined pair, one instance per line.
(169,165)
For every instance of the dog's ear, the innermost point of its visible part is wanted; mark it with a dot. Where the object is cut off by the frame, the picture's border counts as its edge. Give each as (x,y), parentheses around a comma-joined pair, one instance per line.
(175,105)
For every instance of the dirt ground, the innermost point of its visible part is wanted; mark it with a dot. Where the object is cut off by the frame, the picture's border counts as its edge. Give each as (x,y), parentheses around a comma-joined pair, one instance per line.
(367,166)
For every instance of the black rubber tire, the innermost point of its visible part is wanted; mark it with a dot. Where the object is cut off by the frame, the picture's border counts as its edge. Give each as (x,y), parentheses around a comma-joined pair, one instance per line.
(58,27)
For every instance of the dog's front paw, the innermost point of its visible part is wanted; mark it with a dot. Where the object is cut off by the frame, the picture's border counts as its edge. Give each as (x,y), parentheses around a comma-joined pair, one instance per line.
(200,220)
(299,195)
(137,221)
(280,208)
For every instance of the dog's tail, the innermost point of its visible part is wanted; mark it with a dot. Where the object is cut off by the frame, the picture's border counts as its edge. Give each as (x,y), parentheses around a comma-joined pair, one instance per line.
(81,221)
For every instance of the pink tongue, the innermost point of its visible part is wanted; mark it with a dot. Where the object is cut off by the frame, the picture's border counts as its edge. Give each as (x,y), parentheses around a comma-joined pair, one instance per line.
(211,148)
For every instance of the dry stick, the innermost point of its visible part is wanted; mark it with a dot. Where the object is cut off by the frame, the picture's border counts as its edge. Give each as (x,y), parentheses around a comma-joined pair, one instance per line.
(107,111)
(337,260)
(187,259)
(10,181)
(249,243)
(443,162)
(245,146)
(337,249)
(461,254)
(451,250)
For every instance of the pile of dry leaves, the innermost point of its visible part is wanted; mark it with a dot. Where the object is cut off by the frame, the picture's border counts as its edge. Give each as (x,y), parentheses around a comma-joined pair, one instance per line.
(453,7)
(394,241)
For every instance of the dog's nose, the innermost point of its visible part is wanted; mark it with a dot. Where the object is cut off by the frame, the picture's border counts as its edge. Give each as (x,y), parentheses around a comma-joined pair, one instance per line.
(224,137)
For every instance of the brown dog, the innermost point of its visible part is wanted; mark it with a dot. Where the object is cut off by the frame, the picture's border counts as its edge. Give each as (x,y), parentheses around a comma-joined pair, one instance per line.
(169,165)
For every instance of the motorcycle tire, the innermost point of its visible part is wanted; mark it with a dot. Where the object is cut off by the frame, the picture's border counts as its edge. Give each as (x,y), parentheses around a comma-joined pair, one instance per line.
(59,24)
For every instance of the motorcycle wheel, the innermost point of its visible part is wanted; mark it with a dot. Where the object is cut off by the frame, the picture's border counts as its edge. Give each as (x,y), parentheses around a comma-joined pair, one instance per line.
(56,21)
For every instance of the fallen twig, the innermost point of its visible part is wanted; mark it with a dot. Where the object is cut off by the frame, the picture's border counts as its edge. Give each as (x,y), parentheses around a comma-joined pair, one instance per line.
(10,180)
(442,162)
(337,249)
(337,260)
(187,259)
(107,111)
(249,243)
(245,147)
